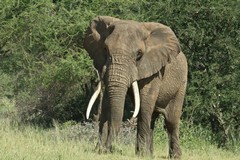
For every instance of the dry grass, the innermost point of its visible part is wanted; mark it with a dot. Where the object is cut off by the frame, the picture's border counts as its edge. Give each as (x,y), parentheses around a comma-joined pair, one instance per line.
(77,143)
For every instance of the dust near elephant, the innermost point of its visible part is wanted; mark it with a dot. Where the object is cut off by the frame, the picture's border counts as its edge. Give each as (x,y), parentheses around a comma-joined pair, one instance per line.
(145,57)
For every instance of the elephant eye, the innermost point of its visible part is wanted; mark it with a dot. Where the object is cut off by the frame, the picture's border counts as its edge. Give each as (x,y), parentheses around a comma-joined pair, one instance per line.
(139,54)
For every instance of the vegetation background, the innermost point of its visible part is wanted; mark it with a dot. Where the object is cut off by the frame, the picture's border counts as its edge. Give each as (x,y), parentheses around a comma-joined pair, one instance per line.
(47,77)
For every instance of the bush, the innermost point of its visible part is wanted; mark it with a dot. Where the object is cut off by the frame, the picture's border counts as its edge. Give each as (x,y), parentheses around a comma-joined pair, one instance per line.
(41,48)
(60,92)
(6,93)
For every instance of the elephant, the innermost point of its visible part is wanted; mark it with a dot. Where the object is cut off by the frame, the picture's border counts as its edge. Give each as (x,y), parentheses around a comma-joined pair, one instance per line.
(144,57)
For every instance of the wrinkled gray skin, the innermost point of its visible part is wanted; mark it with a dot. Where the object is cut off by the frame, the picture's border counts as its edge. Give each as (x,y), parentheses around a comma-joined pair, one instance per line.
(150,54)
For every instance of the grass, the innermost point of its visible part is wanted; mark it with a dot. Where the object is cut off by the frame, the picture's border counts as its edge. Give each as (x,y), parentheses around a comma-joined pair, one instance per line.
(24,142)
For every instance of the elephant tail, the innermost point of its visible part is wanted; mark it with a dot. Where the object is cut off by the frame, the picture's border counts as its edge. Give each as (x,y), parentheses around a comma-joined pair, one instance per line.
(161,110)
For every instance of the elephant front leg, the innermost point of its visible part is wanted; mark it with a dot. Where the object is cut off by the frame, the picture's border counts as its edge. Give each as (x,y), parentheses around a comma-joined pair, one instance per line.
(144,146)
(146,119)
(103,146)
(143,137)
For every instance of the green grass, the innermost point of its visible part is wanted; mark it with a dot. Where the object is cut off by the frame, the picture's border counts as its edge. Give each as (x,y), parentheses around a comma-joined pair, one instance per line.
(24,142)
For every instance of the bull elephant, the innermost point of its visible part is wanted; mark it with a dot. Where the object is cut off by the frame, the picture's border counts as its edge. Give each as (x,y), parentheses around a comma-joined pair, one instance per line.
(145,57)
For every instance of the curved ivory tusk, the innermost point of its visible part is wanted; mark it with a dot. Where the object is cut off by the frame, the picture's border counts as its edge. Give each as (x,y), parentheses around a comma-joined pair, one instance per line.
(136,98)
(93,99)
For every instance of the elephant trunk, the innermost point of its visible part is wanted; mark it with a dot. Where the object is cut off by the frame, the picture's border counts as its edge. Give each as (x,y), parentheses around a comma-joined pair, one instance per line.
(116,102)
(117,96)
(117,87)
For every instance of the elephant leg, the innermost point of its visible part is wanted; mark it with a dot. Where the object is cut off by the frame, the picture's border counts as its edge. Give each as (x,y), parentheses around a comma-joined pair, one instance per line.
(172,122)
(154,117)
(102,144)
(146,119)
(144,133)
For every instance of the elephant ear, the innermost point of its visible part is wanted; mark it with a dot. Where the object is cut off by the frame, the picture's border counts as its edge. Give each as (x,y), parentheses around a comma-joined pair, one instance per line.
(161,45)
(95,36)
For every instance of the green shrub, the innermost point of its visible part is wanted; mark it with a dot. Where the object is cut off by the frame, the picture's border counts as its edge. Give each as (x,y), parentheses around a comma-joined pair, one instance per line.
(41,48)
(6,93)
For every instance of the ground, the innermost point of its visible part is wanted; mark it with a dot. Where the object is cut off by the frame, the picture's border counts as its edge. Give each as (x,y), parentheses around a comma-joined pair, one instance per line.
(76,142)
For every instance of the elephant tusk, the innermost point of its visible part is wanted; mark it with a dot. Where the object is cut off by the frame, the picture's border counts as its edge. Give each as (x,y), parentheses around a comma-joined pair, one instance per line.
(93,99)
(136,98)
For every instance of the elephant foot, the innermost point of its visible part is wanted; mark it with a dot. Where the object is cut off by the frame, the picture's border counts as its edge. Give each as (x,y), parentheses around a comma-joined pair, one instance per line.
(175,153)
(103,150)
(175,157)
(144,153)
(117,150)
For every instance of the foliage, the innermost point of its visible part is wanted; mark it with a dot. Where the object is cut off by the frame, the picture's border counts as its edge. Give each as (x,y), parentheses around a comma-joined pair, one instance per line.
(6,93)
(46,71)
(41,48)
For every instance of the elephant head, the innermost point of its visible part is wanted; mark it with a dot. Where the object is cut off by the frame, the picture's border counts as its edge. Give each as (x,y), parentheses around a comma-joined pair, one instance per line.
(125,52)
